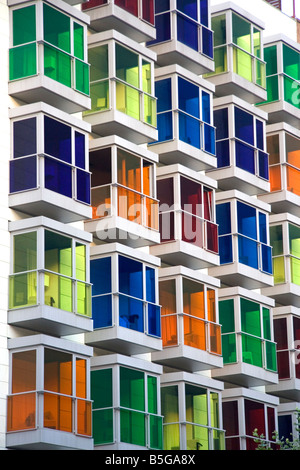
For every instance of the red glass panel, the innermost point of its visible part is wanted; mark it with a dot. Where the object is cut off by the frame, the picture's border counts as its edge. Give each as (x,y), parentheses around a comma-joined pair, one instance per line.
(192,229)
(191,196)
(254,417)
(130,5)
(148,11)
(232,443)
(93,4)
(165,194)
(280,333)
(271,422)
(296,326)
(208,201)
(283,364)
(212,237)
(230,418)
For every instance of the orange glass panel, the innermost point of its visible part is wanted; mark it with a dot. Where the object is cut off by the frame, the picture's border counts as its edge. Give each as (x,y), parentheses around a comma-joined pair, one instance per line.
(84,418)
(147,178)
(275,178)
(169,330)
(129,170)
(101,202)
(167,297)
(293,158)
(194,332)
(58,372)
(151,213)
(24,371)
(57,412)
(129,205)
(193,298)
(21,412)
(293,180)
(273,149)
(215,338)
(80,378)
(211,305)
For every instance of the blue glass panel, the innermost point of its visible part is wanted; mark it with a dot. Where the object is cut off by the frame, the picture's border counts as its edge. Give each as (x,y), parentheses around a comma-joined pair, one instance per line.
(204,12)
(150,285)
(187,32)
(262,222)
(246,216)
(58,177)
(130,277)
(225,249)
(223,218)
(102,311)
(189,7)
(244,157)
(206,107)
(163,28)
(22,175)
(188,97)
(266,259)
(162,5)
(248,252)
(222,152)
(260,135)
(209,139)
(57,139)
(263,165)
(154,320)
(189,130)
(207,42)
(131,313)
(163,94)
(83,185)
(244,126)
(24,137)
(80,150)
(100,275)
(165,126)
(221,123)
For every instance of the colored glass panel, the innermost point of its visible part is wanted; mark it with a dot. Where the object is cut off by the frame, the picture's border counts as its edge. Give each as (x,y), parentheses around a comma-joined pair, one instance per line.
(57,65)
(170,404)
(246,220)
(169,330)
(156,432)
(167,296)
(22,61)
(127,100)
(251,350)
(127,65)
(82,77)
(21,412)
(187,32)
(129,5)
(98,60)
(22,174)
(58,177)
(226,315)
(57,28)
(132,391)
(196,407)
(250,317)
(130,277)
(148,11)
(291,62)
(244,126)
(24,137)
(245,157)
(133,427)
(241,32)
(101,388)
(78,38)
(22,290)
(103,429)
(24,25)
(194,332)
(229,348)
(193,298)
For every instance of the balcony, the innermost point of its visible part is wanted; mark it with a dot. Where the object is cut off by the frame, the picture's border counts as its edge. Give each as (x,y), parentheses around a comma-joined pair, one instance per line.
(133,18)
(238,54)
(184,119)
(49,64)
(245,251)
(242,159)
(248,347)
(283,145)
(123,194)
(48,407)
(126,403)
(49,164)
(122,88)
(49,289)
(183,35)
(126,311)
(191,333)
(189,234)
(284,239)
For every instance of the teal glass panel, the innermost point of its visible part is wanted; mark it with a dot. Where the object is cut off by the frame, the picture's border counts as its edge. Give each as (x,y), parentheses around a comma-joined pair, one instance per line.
(156,432)
(101,388)
(291,62)
(103,430)
(250,317)
(272,88)
(24,25)
(229,348)
(271,360)
(132,389)
(78,38)
(57,65)
(82,77)
(22,61)
(57,28)
(226,315)
(241,32)
(152,394)
(270,57)
(252,350)
(133,427)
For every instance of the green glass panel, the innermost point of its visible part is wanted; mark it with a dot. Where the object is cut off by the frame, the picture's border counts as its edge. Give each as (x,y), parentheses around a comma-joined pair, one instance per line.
(214,409)
(101,388)
(291,90)
(266,323)
(276,240)
(241,32)
(218,25)
(24,25)
(271,360)
(127,66)
(229,348)
(22,290)
(22,61)
(218,440)
(270,57)
(25,252)
(171,436)
(278,270)
(250,317)
(99,93)
(196,438)
(98,60)
(128,100)
(57,28)
(84,299)
(58,253)
(291,62)
(294,240)
(152,394)
(78,38)
(132,389)
(150,110)
(226,315)
(252,350)
(220,58)
(57,65)
(103,430)
(58,291)
(169,404)
(295,271)
(133,427)
(261,74)
(242,64)
(272,88)
(82,77)
(156,432)
(196,404)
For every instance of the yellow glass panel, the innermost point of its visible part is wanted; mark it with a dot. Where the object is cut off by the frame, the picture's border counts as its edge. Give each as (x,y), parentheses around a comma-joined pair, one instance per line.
(58,291)
(169,331)
(194,332)
(23,290)
(150,110)
(295,270)
(146,76)
(196,437)
(171,435)
(278,270)
(242,64)
(83,299)
(21,412)
(128,100)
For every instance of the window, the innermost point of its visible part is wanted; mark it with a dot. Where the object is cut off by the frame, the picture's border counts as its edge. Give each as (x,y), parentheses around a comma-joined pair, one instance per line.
(285,256)
(63,45)
(223,217)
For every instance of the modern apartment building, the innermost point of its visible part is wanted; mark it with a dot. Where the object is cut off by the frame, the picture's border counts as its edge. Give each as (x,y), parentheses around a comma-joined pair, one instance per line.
(150,224)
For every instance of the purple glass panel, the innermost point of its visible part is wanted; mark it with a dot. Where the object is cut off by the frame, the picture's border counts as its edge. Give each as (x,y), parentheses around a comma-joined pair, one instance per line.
(22,174)
(24,137)
(58,177)
(80,150)
(57,139)
(83,184)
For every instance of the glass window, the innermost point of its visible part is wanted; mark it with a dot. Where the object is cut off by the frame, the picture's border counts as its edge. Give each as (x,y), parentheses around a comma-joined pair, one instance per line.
(24,29)
(57,28)
(196,404)
(130,5)
(130,277)
(57,139)
(246,220)
(188,7)
(127,66)
(244,129)
(188,97)
(241,32)
(163,94)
